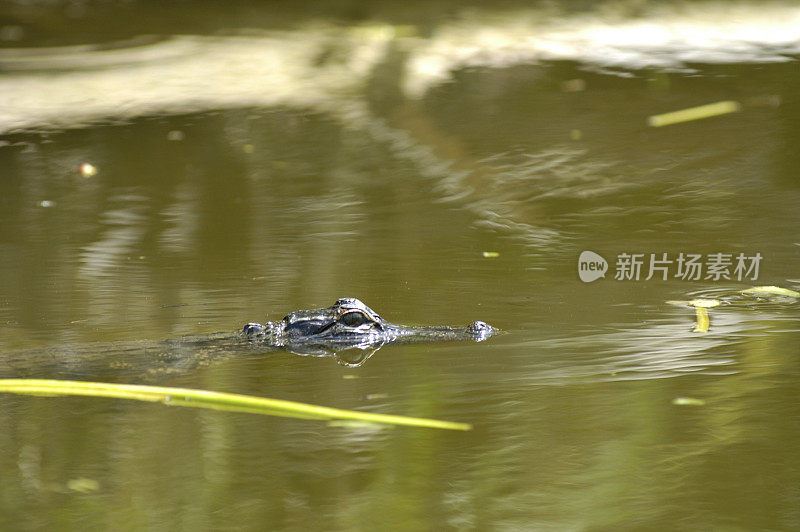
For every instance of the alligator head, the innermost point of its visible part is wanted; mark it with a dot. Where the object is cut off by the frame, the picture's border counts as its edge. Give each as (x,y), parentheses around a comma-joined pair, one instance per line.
(352,332)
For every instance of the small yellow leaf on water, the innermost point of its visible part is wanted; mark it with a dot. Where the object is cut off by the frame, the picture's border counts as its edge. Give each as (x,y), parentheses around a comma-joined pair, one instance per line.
(694,113)
(704,303)
(697,303)
(376,396)
(771,291)
(490,254)
(691,401)
(83,485)
(87,170)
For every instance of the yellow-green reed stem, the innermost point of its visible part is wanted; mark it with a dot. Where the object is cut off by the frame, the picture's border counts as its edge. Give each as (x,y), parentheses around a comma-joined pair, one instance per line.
(213,400)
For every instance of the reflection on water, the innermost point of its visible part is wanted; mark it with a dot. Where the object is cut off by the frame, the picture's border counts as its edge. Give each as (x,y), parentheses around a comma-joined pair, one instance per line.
(123,231)
(613,42)
(241,175)
(322,66)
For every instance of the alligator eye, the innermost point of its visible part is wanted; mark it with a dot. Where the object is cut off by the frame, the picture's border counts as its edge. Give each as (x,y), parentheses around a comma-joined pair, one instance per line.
(353,319)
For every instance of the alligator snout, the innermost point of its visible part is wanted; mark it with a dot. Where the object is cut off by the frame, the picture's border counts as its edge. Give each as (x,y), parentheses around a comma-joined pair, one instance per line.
(259,330)
(481,330)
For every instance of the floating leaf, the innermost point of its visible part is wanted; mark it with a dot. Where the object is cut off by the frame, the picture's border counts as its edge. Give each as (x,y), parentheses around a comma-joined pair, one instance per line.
(697,303)
(83,485)
(771,291)
(704,303)
(376,396)
(490,254)
(688,401)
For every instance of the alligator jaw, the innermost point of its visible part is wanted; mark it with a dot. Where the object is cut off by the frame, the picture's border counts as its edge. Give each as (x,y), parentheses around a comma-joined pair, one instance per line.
(268,333)
(477,331)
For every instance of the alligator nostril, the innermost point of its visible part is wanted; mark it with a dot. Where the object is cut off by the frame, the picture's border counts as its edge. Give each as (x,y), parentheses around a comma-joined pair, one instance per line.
(254,329)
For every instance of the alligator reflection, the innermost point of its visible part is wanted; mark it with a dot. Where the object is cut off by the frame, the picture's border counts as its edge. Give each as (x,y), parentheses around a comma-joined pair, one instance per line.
(346,355)
(348,331)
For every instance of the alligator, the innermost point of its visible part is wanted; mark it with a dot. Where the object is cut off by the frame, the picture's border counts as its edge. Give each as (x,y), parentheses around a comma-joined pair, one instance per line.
(348,330)
(349,324)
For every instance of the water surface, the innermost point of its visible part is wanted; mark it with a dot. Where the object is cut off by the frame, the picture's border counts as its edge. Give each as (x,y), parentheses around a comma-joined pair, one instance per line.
(244,173)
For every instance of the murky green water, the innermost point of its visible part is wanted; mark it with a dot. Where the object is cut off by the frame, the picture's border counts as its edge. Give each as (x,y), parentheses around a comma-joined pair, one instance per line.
(245,174)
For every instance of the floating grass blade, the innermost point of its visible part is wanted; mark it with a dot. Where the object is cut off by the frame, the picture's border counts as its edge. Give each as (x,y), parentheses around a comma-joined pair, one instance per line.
(766,291)
(694,113)
(213,400)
